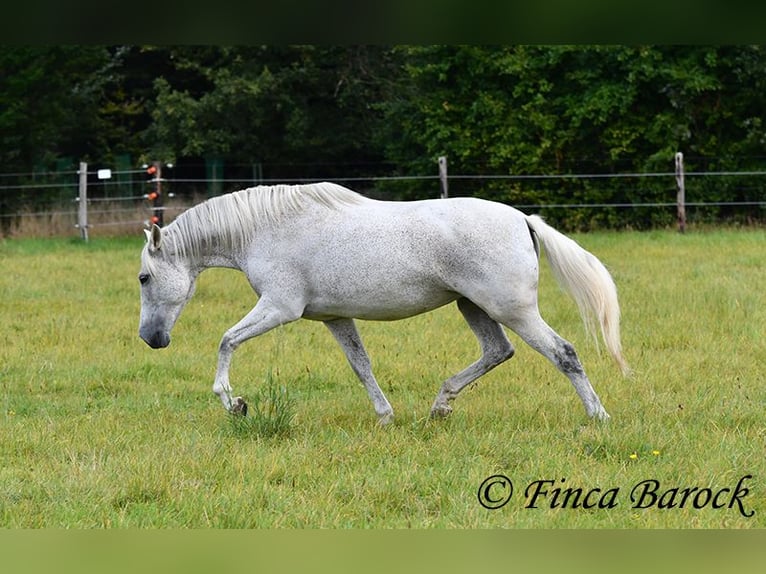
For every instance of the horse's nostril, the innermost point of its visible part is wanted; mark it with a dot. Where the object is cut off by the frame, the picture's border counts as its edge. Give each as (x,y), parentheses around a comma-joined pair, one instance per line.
(157,340)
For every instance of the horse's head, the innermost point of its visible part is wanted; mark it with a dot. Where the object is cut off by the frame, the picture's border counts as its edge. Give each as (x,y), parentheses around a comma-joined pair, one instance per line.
(167,284)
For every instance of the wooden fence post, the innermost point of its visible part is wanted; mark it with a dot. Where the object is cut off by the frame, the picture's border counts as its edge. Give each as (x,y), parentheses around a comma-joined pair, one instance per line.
(443,176)
(681,195)
(82,211)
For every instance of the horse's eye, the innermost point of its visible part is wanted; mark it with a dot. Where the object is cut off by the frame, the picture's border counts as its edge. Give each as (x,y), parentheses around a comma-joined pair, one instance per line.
(143,278)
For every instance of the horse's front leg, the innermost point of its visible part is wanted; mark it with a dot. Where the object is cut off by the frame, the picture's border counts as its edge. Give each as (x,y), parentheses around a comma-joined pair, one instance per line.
(264,317)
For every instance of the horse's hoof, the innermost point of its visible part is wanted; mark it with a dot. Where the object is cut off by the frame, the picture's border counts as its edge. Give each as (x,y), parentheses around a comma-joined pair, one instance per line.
(239,407)
(386,419)
(600,414)
(441,411)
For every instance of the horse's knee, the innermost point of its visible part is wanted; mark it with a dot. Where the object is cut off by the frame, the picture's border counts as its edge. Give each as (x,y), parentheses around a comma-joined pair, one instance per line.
(227,345)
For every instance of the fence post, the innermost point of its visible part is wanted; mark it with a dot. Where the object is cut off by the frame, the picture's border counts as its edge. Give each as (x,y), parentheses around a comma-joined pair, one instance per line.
(443,176)
(681,195)
(82,211)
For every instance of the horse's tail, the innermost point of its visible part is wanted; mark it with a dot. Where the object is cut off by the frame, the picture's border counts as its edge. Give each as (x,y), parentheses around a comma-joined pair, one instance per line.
(586,279)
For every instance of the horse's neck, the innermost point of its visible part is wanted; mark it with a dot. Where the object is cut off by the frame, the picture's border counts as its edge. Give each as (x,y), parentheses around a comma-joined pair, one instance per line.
(209,253)
(217,260)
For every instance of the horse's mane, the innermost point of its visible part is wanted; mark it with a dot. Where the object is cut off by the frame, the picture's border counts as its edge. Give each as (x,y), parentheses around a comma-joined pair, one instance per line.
(230,220)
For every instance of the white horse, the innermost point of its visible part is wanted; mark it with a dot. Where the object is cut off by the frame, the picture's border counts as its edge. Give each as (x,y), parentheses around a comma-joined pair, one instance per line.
(325,253)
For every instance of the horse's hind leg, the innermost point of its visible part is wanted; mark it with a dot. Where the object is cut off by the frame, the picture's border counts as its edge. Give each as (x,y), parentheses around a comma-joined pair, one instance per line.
(538,334)
(495,348)
(344,331)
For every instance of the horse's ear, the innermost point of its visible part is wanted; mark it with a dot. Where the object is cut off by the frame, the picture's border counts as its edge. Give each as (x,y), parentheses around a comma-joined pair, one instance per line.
(154,237)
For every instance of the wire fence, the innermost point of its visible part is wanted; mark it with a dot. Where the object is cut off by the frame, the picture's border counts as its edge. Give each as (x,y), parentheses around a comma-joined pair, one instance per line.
(47,203)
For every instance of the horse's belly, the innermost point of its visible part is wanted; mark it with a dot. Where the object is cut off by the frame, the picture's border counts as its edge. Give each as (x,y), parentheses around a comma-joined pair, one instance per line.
(380,306)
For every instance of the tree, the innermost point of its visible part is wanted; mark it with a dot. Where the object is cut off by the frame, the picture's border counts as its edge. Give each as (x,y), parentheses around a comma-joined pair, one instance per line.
(577,109)
(345,111)
(49,100)
(283,106)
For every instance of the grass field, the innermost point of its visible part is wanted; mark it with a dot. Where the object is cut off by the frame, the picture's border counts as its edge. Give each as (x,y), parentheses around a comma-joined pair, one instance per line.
(98,430)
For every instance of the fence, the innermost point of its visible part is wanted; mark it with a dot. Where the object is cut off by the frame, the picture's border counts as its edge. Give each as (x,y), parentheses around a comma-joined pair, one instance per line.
(129,200)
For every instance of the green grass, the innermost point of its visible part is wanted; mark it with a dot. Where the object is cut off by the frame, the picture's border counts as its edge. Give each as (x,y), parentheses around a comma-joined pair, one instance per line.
(270,411)
(98,430)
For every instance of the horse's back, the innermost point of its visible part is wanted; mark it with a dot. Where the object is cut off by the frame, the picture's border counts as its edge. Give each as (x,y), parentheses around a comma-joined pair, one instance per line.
(426,236)
(388,260)
(465,227)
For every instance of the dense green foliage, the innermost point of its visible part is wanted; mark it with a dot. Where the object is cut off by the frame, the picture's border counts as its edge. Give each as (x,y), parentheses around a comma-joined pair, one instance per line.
(362,111)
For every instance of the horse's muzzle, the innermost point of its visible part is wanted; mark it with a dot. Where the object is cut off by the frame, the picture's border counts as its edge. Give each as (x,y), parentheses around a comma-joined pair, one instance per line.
(157,339)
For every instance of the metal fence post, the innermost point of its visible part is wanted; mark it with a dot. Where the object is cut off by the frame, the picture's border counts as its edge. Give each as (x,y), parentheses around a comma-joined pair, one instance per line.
(82,211)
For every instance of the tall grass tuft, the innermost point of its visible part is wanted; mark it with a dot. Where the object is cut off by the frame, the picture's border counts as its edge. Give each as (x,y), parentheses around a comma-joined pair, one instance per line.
(270,412)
